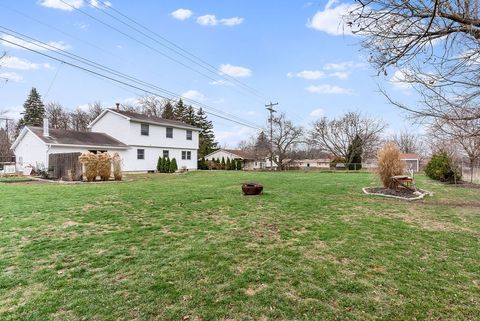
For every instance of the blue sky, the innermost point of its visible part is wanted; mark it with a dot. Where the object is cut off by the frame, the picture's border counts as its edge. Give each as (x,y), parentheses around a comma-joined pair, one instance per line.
(293,52)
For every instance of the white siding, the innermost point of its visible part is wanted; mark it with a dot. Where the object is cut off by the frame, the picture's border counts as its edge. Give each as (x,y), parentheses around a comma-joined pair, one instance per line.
(131,163)
(221,153)
(32,151)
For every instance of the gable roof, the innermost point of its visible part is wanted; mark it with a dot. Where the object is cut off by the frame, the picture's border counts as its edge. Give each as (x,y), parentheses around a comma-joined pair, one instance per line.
(241,154)
(72,137)
(142,118)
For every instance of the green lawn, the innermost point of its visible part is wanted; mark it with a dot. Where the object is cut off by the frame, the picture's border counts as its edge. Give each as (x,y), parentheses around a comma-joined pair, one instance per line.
(191,247)
(14,179)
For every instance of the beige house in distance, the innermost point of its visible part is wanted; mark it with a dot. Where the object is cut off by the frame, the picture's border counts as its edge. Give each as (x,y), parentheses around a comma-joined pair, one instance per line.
(249,160)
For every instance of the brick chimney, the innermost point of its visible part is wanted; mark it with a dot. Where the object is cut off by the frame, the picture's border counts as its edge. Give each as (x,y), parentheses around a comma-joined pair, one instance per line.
(46,131)
(118,106)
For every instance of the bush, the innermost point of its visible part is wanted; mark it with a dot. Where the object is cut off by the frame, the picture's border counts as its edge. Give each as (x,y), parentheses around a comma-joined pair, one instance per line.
(238,165)
(223,163)
(89,160)
(166,165)
(228,165)
(442,168)
(160,163)
(389,164)
(173,166)
(104,166)
(117,167)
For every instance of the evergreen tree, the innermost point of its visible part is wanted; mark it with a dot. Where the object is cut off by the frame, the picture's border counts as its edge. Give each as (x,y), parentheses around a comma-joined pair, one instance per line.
(354,154)
(168,111)
(262,145)
(207,142)
(34,110)
(223,162)
(191,118)
(180,111)
(173,166)
(239,165)
(160,164)
(228,164)
(166,165)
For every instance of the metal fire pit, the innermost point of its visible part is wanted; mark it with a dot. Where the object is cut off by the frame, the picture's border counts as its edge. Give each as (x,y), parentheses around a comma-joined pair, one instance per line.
(252,188)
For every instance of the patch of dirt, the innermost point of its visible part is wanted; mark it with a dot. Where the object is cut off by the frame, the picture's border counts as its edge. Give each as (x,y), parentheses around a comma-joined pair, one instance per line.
(400,192)
(250,291)
(69,223)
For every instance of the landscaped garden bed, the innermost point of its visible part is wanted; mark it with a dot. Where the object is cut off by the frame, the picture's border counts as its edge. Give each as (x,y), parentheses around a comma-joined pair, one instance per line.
(401,193)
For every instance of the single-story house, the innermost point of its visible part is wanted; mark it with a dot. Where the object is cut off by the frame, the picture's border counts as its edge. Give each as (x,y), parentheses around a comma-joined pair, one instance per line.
(139,140)
(249,160)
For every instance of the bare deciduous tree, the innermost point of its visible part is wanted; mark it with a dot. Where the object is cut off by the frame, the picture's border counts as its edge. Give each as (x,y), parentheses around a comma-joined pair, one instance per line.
(285,137)
(465,134)
(337,135)
(152,105)
(407,142)
(79,120)
(436,45)
(57,116)
(95,109)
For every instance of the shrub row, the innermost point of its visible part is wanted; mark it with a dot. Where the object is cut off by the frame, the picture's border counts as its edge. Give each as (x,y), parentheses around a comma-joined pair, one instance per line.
(165,165)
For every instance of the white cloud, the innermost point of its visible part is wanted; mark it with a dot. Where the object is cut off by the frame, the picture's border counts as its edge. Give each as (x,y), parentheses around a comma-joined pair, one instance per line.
(235,71)
(11,76)
(330,20)
(328,89)
(399,78)
(59,45)
(211,20)
(18,63)
(340,74)
(207,20)
(181,14)
(308,74)
(317,113)
(82,25)
(344,65)
(194,95)
(220,82)
(57,4)
(231,21)
(97,4)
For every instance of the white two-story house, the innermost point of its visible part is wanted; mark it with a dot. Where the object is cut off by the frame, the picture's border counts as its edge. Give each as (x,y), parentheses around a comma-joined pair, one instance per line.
(148,138)
(139,140)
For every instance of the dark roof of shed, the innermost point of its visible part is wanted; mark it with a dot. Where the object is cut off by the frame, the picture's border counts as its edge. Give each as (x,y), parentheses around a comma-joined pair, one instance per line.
(152,119)
(72,137)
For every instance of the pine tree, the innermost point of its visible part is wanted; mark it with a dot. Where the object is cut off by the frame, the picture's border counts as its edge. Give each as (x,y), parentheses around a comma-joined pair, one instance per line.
(168,111)
(354,154)
(160,165)
(262,145)
(228,164)
(207,142)
(239,165)
(191,118)
(34,110)
(166,165)
(173,166)
(180,111)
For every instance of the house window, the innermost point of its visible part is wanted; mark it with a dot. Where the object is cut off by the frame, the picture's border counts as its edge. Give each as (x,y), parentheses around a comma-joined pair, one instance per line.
(144,129)
(165,153)
(186,155)
(93,151)
(169,132)
(189,135)
(140,153)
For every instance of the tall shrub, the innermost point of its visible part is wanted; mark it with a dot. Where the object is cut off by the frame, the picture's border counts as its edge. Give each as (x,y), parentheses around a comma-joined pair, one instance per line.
(223,162)
(442,168)
(166,165)
(389,164)
(160,164)
(228,164)
(117,166)
(173,166)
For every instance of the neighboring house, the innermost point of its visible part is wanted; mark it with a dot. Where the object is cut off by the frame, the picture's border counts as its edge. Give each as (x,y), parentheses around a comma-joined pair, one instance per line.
(249,160)
(412,161)
(139,139)
(310,163)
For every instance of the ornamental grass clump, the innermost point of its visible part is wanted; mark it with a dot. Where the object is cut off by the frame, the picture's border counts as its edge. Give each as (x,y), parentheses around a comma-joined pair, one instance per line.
(104,166)
(89,162)
(389,165)
(117,167)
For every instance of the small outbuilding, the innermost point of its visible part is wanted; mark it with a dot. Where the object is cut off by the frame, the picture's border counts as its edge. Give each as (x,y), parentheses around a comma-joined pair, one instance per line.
(412,161)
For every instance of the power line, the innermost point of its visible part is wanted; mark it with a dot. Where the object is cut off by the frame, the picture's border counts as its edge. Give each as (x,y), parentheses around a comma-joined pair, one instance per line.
(177,49)
(119,81)
(91,63)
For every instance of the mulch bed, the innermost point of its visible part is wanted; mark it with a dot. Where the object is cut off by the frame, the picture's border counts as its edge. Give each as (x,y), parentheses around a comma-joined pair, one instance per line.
(401,193)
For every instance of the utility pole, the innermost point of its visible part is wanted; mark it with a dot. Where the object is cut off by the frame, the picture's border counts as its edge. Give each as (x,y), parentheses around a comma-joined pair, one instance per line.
(271,110)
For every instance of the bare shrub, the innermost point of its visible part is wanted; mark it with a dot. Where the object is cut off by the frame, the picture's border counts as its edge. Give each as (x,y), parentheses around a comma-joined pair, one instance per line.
(104,166)
(89,161)
(117,167)
(389,164)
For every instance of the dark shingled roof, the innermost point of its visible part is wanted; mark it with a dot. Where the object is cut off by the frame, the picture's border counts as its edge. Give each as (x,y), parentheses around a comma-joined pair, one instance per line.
(153,119)
(242,153)
(71,137)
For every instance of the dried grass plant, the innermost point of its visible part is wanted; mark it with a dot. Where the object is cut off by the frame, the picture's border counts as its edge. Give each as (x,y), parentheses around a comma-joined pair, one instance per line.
(389,165)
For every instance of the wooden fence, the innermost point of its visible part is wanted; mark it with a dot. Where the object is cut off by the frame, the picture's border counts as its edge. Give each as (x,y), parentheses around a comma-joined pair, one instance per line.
(65,166)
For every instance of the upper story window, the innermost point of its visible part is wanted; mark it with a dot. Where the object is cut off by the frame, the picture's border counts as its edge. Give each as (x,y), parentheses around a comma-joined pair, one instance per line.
(189,135)
(144,129)
(169,132)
